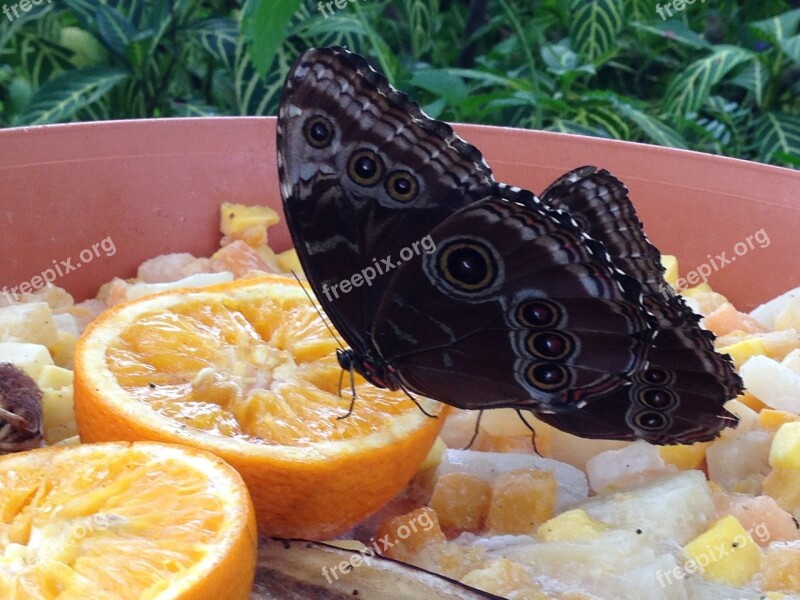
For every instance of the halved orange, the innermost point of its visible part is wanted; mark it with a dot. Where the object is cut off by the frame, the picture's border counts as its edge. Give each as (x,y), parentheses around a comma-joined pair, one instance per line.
(124,521)
(247,370)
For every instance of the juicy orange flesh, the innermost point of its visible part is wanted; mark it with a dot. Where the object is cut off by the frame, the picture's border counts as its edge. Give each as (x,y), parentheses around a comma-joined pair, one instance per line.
(121,525)
(254,367)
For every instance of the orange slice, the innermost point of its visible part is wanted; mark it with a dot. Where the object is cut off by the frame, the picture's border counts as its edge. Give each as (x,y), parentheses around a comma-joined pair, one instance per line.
(247,370)
(124,521)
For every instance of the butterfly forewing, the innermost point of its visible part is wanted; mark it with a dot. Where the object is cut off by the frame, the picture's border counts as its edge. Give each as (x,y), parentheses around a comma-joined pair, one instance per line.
(364,175)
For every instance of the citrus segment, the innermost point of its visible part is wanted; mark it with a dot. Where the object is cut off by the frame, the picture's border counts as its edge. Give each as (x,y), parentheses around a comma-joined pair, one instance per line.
(248,370)
(124,521)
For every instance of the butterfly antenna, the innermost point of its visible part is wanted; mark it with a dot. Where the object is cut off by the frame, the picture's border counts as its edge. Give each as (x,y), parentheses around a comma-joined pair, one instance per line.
(533,431)
(419,406)
(477,429)
(319,312)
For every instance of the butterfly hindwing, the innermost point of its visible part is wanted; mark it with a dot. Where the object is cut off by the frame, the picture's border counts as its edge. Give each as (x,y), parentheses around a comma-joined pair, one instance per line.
(511,308)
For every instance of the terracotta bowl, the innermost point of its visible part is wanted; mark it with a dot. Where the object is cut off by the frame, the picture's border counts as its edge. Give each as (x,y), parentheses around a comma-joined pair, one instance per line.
(154,186)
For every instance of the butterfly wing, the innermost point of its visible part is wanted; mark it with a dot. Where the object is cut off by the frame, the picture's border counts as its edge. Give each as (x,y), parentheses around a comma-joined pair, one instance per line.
(513,307)
(364,174)
(684,370)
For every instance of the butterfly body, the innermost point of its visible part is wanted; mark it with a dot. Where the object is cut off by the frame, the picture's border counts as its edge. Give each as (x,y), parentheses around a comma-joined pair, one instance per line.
(448,284)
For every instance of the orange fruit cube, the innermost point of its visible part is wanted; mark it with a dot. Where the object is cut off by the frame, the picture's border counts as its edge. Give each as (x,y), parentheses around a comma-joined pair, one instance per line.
(461,501)
(403,536)
(521,501)
(780,569)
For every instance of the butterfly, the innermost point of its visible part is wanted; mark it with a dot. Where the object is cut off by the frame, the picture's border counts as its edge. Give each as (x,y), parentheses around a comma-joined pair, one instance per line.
(451,285)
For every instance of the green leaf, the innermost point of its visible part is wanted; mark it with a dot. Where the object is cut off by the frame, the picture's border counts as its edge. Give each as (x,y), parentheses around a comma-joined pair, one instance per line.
(656,131)
(62,96)
(41,59)
(605,119)
(791,46)
(218,37)
(778,28)
(675,31)
(689,89)
(442,83)
(264,25)
(787,158)
(776,132)
(594,27)
(754,78)
(115,29)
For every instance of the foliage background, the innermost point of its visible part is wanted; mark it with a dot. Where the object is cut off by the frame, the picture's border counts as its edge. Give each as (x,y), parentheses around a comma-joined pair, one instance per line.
(718,76)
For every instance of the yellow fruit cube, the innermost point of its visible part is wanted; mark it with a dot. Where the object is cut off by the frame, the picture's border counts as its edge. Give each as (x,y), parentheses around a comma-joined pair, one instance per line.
(685,457)
(670,263)
(785,450)
(403,536)
(772,419)
(741,351)
(461,501)
(54,377)
(58,414)
(572,525)
(238,218)
(780,569)
(289,263)
(784,486)
(700,288)
(725,553)
(434,455)
(521,501)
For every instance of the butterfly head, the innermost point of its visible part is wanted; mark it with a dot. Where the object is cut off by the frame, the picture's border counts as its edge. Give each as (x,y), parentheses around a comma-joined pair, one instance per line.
(374,370)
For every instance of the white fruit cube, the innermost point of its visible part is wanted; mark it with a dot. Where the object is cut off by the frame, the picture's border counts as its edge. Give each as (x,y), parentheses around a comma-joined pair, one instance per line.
(31,358)
(31,323)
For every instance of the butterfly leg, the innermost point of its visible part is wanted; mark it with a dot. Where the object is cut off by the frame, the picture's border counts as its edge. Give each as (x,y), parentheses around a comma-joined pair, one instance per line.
(419,406)
(533,431)
(475,433)
(352,391)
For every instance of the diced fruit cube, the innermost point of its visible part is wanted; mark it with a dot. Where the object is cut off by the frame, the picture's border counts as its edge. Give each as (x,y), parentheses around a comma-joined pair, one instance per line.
(772,420)
(760,515)
(726,553)
(685,457)
(289,262)
(403,536)
(624,466)
(63,350)
(670,264)
(54,377)
(28,357)
(750,402)
(792,361)
(772,383)
(768,312)
(785,450)
(789,316)
(780,569)
(701,288)
(461,502)
(740,461)
(784,486)
(740,352)
(450,559)
(434,456)
(58,414)
(572,485)
(677,506)
(237,218)
(572,525)
(726,319)
(501,576)
(521,501)
(31,323)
